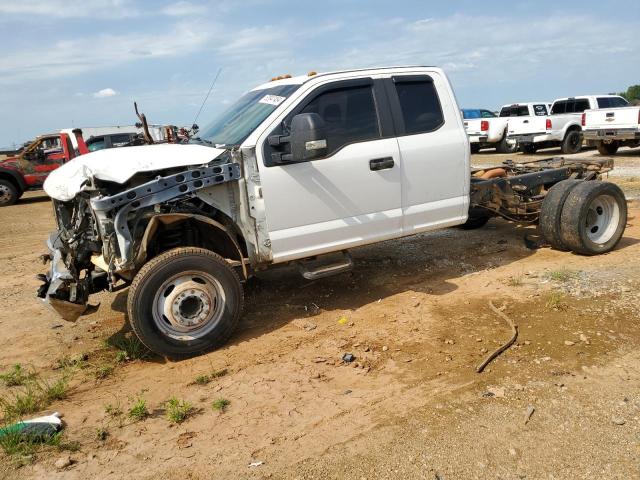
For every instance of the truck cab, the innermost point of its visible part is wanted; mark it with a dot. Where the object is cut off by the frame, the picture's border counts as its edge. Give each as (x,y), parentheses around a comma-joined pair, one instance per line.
(29,169)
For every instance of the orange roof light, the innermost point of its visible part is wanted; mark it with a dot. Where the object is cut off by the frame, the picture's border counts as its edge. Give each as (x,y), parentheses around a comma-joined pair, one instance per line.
(312,73)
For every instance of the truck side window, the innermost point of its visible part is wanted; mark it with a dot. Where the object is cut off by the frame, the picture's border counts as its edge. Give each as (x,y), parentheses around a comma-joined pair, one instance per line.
(420,107)
(559,107)
(349,114)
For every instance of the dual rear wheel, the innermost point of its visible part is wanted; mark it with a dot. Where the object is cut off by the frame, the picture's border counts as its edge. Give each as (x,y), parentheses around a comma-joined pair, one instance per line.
(586,217)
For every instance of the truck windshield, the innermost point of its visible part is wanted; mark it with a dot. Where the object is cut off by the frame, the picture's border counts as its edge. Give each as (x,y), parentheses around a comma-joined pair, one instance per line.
(234,125)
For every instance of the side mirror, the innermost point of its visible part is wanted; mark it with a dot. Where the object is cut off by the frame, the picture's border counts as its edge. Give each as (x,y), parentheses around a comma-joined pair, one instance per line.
(308,137)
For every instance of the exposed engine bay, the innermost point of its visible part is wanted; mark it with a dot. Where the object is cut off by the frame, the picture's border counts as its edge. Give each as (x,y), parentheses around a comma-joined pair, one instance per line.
(109,229)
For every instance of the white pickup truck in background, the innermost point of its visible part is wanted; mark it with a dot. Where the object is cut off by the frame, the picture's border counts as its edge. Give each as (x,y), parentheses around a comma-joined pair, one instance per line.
(563,127)
(486,130)
(612,128)
(298,170)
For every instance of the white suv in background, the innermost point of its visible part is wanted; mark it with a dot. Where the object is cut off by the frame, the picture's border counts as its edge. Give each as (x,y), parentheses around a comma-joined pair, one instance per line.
(563,128)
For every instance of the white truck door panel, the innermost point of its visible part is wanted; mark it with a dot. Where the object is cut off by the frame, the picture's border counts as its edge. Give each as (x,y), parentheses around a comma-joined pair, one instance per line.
(336,202)
(435,163)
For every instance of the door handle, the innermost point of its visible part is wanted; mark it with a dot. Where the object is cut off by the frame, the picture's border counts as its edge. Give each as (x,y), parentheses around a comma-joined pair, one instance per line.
(381,163)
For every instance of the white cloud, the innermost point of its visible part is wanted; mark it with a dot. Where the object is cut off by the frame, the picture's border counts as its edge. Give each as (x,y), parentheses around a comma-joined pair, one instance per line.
(183,9)
(105,92)
(70,8)
(72,57)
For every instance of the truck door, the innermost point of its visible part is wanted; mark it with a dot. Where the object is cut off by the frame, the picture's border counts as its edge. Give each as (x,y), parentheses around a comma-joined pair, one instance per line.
(434,152)
(349,197)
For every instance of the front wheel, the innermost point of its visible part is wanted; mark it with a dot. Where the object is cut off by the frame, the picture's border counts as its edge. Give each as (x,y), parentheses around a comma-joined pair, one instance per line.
(8,193)
(572,142)
(184,302)
(608,148)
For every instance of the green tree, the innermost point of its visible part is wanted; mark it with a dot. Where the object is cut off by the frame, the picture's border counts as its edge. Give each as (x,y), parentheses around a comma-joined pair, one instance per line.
(632,94)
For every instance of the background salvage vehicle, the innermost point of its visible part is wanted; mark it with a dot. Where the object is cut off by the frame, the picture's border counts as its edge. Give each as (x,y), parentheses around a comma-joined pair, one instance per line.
(563,127)
(29,169)
(612,128)
(488,130)
(297,170)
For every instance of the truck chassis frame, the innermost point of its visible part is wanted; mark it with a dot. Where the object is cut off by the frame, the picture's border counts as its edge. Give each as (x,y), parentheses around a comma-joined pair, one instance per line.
(515,191)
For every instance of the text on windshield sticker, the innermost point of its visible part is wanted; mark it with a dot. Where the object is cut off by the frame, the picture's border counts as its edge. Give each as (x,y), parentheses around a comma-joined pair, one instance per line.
(272,99)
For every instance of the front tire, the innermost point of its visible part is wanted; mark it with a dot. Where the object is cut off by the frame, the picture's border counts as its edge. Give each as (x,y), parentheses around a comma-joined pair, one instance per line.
(608,148)
(8,193)
(185,302)
(572,142)
(594,217)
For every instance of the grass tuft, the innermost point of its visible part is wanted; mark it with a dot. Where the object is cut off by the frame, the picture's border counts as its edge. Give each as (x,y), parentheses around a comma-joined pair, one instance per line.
(130,348)
(103,371)
(177,411)
(17,376)
(221,404)
(562,276)
(556,301)
(22,403)
(205,379)
(138,410)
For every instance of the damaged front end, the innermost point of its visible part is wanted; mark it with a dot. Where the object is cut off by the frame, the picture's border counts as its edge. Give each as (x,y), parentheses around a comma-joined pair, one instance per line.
(72,277)
(102,232)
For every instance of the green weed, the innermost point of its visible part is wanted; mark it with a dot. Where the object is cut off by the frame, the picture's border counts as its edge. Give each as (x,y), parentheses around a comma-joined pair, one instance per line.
(177,411)
(221,404)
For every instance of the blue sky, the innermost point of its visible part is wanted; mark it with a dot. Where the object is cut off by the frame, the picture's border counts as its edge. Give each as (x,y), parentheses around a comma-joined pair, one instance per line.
(83,62)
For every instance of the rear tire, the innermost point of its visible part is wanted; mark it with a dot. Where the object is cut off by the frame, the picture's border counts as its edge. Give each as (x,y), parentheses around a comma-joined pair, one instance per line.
(594,217)
(572,142)
(551,212)
(608,148)
(185,302)
(8,193)
(505,147)
(529,148)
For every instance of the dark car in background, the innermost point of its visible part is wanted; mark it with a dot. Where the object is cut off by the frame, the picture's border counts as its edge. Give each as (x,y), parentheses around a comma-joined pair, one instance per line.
(100,142)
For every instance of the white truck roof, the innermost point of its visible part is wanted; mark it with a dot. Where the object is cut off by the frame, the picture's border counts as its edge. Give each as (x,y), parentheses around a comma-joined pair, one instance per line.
(300,79)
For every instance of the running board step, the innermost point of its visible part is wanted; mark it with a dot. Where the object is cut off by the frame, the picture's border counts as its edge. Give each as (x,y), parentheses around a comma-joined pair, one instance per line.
(326,265)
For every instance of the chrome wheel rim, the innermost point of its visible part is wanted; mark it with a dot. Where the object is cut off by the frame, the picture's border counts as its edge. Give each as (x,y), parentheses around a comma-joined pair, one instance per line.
(602,219)
(5,194)
(188,305)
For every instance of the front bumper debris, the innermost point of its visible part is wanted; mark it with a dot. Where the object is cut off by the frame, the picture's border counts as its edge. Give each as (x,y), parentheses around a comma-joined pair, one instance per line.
(61,290)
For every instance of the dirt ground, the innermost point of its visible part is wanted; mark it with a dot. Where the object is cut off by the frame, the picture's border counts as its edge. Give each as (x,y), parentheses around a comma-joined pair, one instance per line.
(415,313)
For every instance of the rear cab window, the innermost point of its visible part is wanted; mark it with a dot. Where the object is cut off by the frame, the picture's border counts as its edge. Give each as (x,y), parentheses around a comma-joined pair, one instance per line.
(571,105)
(540,110)
(515,111)
(612,102)
(419,105)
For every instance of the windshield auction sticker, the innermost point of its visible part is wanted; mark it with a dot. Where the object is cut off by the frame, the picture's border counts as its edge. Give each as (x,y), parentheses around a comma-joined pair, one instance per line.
(272,99)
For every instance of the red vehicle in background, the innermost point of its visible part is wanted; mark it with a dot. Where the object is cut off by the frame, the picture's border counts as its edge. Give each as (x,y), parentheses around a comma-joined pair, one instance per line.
(29,169)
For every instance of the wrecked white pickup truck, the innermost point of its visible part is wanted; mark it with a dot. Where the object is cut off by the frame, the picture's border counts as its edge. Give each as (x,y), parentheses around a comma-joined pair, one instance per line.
(297,170)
